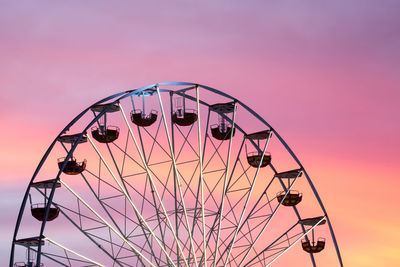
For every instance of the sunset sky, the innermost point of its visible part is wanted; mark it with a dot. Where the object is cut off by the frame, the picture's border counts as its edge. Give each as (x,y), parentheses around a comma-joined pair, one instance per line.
(324,75)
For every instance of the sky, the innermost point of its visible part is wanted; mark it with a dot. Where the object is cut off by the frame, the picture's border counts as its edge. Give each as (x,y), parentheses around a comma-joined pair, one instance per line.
(323,74)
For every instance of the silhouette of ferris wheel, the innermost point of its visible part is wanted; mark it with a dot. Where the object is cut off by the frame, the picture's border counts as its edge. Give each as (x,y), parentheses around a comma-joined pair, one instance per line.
(171,174)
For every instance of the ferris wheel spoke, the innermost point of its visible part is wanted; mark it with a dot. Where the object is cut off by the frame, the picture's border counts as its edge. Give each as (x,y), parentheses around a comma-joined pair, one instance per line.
(274,248)
(176,174)
(129,198)
(120,235)
(295,210)
(72,252)
(80,228)
(298,216)
(136,211)
(177,222)
(204,256)
(200,186)
(270,217)
(278,244)
(143,197)
(103,204)
(51,257)
(97,196)
(221,211)
(209,234)
(85,231)
(152,182)
(232,243)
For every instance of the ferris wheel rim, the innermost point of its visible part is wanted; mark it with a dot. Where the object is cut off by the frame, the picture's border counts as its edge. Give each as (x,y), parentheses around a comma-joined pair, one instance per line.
(122,95)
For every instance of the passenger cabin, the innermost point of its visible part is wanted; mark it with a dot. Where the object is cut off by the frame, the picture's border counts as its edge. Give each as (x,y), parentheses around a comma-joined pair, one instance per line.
(183,116)
(312,247)
(103,133)
(141,119)
(254,158)
(308,245)
(38,211)
(139,116)
(28,243)
(292,198)
(72,167)
(222,130)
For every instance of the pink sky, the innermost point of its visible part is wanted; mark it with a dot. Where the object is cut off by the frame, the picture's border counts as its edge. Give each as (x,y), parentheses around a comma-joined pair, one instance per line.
(324,75)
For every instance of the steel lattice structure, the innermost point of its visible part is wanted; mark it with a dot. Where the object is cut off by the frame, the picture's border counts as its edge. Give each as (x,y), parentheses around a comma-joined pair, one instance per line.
(167,187)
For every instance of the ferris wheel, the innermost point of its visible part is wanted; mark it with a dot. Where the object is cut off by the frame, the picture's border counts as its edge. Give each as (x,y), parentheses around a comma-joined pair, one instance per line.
(171,174)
